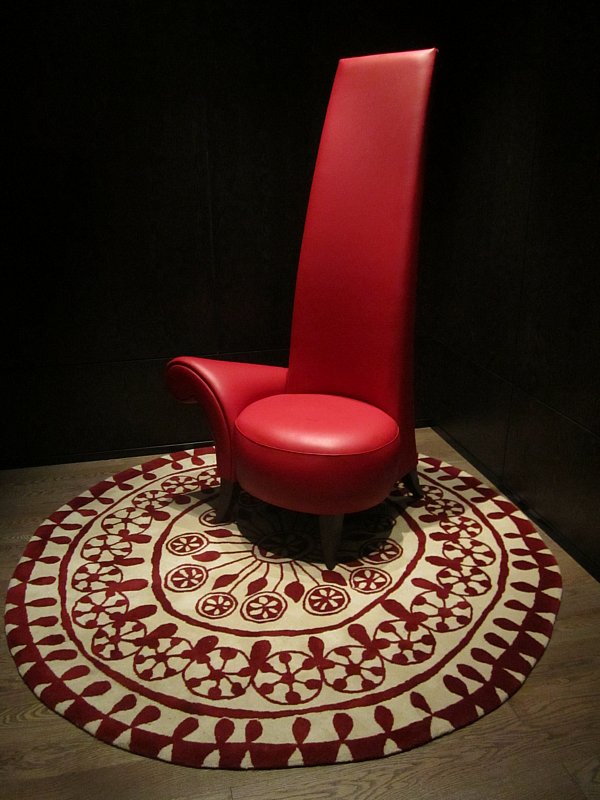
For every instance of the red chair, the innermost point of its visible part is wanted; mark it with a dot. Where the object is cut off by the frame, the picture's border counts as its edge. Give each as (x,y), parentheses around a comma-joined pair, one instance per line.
(332,433)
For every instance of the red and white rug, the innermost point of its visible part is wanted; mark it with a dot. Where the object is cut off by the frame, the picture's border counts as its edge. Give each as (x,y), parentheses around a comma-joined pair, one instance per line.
(136,617)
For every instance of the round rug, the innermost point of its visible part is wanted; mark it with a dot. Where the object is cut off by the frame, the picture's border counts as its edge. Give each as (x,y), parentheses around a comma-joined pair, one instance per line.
(141,620)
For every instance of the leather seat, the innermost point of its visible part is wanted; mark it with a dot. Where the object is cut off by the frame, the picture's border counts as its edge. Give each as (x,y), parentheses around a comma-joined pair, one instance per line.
(320,454)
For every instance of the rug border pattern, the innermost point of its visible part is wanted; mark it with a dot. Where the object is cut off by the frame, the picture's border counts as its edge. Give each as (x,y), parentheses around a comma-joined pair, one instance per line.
(236,744)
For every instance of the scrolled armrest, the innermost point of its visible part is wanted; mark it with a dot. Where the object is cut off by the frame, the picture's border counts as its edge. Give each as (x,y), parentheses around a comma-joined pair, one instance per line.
(222,389)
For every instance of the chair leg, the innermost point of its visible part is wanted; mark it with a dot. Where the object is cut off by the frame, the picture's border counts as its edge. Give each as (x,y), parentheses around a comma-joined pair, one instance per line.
(411,481)
(330,528)
(226,500)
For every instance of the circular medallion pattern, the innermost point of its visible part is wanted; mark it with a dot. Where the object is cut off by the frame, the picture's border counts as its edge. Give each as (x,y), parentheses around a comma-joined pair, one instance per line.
(139,618)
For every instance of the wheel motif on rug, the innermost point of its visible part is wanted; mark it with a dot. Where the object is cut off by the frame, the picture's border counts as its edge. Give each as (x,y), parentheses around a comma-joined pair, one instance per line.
(139,618)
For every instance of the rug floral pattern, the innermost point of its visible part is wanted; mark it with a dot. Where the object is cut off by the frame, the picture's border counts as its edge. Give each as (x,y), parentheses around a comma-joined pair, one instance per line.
(138,618)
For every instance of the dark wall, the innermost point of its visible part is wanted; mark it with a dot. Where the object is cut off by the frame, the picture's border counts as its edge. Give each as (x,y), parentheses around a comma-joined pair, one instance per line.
(158,181)
(511,293)
(159,176)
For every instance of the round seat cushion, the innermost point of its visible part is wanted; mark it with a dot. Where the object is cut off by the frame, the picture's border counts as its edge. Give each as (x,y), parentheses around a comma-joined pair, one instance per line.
(321,454)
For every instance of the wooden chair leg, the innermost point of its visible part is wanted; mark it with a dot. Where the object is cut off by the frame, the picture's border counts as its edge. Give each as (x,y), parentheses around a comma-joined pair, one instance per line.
(226,500)
(330,528)
(411,481)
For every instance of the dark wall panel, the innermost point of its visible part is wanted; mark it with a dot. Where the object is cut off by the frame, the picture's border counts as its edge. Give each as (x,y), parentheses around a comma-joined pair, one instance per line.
(454,384)
(109,228)
(510,291)
(112,407)
(477,183)
(108,236)
(553,466)
(559,330)
(261,164)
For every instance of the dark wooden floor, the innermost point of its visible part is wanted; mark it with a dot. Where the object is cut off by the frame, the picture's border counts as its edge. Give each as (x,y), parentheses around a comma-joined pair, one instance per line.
(543,744)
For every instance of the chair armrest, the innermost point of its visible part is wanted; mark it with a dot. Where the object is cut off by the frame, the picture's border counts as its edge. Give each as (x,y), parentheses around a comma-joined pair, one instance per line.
(222,389)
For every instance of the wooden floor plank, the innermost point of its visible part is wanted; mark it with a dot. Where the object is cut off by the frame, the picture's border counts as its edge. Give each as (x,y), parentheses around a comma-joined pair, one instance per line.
(543,743)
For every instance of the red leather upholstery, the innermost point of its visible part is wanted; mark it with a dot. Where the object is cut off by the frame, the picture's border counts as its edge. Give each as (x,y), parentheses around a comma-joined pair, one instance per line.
(320,454)
(332,434)
(352,331)
(222,389)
